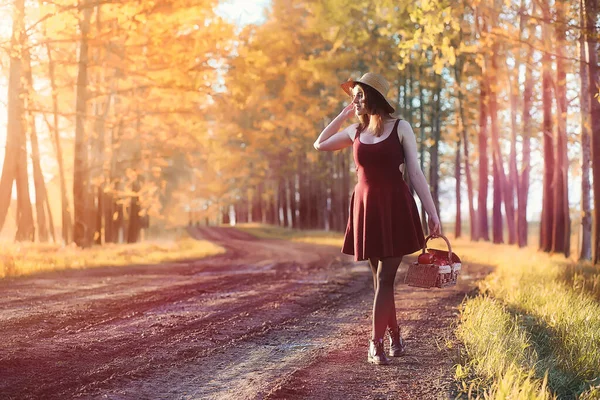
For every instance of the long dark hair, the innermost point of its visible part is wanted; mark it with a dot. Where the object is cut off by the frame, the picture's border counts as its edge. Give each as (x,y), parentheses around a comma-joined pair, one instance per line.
(377,108)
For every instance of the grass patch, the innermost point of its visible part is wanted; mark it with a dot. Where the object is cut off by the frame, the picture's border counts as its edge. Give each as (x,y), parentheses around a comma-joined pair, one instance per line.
(18,259)
(308,236)
(534,332)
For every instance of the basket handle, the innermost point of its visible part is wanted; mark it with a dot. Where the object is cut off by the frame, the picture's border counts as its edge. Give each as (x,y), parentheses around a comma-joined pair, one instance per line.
(447,243)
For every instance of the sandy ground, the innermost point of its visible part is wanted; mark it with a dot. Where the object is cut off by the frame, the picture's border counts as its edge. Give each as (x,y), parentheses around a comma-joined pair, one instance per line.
(268,319)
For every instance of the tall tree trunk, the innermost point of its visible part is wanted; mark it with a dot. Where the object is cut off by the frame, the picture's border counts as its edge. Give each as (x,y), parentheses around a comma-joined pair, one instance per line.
(561,228)
(25,227)
(465,140)
(41,196)
(548,196)
(497,224)
(66,222)
(293,200)
(288,203)
(458,220)
(483,231)
(512,187)
(522,225)
(422,142)
(81,193)
(134,226)
(591,7)
(434,150)
(586,219)
(14,126)
(507,196)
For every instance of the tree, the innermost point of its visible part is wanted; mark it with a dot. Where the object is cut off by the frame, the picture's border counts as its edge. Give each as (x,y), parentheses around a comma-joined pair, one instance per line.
(591,10)
(586,220)
(561,228)
(547,220)
(81,195)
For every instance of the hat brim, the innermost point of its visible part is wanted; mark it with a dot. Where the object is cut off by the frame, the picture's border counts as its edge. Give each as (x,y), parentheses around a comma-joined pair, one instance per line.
(349,84)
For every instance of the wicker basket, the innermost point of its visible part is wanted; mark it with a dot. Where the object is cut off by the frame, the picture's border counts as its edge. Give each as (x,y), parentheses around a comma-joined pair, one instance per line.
(443,272)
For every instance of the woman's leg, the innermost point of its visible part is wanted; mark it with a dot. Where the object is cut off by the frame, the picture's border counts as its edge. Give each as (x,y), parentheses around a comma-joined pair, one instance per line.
(384,307)
(374,264)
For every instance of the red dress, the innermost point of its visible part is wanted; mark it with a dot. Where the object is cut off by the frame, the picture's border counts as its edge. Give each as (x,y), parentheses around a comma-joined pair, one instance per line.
(384,219)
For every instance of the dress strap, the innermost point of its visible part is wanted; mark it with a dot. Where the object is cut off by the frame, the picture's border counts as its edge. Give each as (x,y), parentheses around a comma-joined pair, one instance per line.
(395,131)
(356,133)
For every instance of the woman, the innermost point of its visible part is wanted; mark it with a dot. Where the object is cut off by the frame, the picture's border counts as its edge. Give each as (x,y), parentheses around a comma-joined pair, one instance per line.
(384,223)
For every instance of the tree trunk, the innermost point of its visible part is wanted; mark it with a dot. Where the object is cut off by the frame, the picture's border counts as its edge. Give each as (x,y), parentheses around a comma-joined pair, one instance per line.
(41,196)
(25,227)
(14,126)
(422,143)
(81,230)
(434,150)
(561,228)
(522,225)
(458,220)
(465,140)
(586,215)
(506,195)
(134,227)
(548,198)
(512,187)
(483,231)
(66,222)
(591,7)
(497,225)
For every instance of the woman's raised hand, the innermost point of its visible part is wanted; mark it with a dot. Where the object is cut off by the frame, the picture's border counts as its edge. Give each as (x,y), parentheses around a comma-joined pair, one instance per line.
(348,111)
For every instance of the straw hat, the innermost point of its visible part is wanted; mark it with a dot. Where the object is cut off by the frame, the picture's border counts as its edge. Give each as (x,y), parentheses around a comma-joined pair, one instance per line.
(373,80)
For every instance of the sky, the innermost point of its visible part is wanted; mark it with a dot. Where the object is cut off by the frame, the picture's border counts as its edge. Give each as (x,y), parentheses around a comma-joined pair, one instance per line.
(243,12)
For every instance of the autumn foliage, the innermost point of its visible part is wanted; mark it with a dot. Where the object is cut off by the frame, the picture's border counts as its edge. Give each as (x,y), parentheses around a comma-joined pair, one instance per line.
(142,115)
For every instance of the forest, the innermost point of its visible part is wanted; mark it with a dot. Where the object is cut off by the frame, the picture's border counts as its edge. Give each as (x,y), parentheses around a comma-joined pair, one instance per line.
(125,118)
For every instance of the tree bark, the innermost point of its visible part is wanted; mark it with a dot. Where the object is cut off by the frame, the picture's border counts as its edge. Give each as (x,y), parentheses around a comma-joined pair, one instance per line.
(66,223)
(561,228)
(548,197)
(81,228)
(522,225)
(591,7)
(513,188)
(422,143)
(134,226)
(41,196)
(586,214)
(14,126)
(465,140)
(434,150)
(483,231)
(505,194)
(457,177)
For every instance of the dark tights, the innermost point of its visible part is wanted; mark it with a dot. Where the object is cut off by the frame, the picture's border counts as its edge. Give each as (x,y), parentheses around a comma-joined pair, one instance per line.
(384,306)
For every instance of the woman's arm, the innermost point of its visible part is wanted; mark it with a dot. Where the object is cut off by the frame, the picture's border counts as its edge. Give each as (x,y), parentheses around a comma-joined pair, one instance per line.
(330,139)
(409,143)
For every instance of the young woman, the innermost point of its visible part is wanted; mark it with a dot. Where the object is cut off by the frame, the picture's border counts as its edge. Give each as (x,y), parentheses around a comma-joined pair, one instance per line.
(384,223)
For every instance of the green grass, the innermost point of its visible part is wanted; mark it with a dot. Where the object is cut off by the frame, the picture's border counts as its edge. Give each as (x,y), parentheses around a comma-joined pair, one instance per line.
(534,329)
(19,259)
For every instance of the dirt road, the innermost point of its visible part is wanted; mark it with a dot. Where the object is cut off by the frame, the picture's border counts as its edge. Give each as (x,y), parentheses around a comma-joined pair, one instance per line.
(267,319)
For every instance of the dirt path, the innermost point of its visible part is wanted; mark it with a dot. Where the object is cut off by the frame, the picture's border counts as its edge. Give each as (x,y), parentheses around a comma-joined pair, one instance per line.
(268,319)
